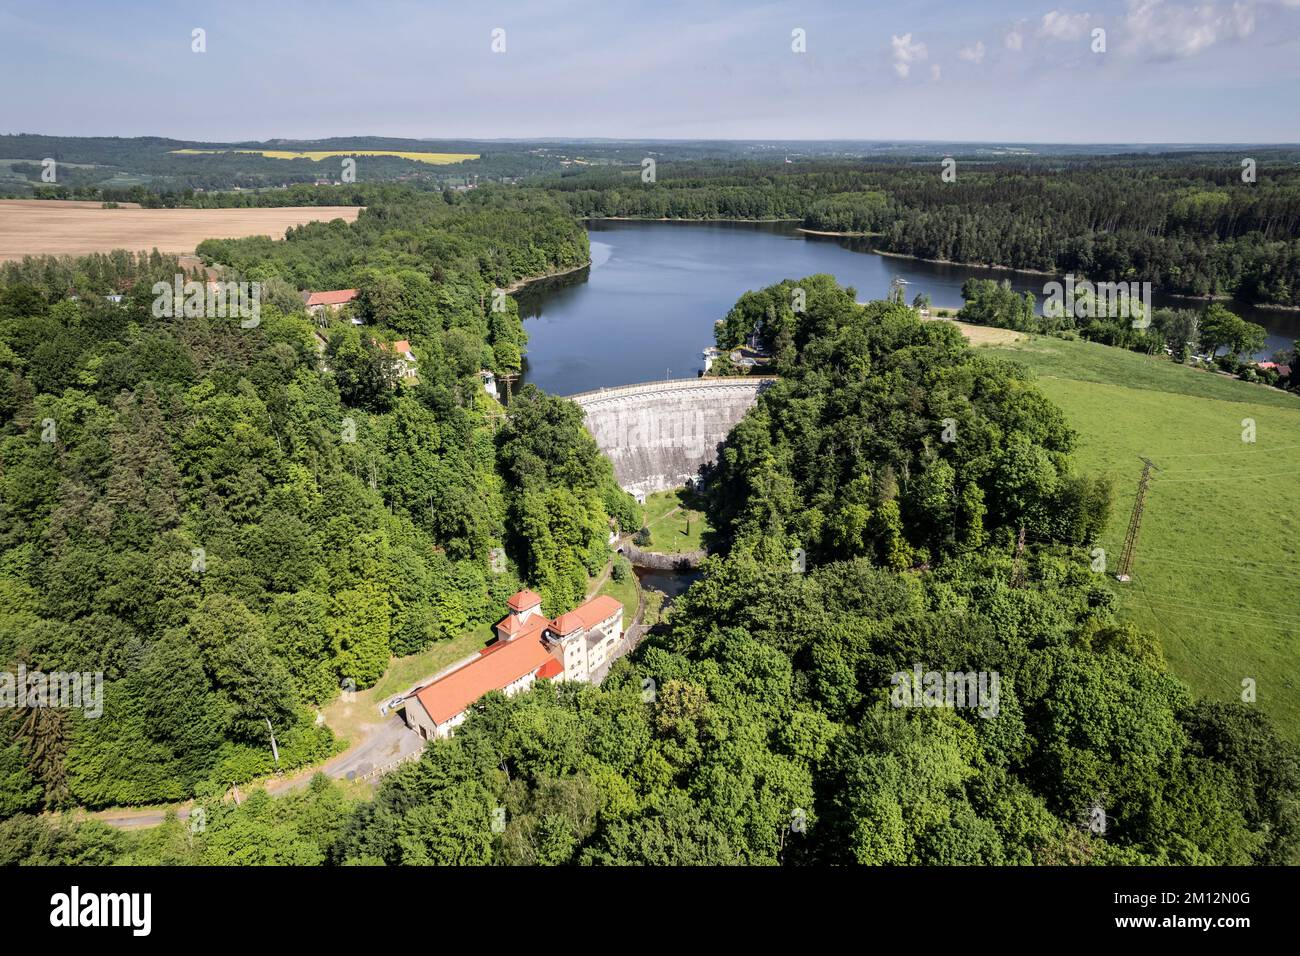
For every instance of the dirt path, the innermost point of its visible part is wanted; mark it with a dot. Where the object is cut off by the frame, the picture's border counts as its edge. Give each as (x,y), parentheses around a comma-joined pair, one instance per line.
(600,582)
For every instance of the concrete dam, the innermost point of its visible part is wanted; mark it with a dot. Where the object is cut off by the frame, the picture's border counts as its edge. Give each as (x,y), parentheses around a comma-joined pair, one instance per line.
(658,434)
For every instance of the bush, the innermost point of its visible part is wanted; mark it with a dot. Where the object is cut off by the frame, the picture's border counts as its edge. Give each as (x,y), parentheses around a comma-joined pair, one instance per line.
(642,538)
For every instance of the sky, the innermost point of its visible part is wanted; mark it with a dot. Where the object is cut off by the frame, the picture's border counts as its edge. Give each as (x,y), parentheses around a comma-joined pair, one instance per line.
(1161,71)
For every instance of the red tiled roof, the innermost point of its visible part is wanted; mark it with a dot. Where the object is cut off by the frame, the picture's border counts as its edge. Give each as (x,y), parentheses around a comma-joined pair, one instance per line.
(586,615)
(597,609)
(512,628)
(522,600)
(519,651)
(567,623)
(334,297)
(449,695)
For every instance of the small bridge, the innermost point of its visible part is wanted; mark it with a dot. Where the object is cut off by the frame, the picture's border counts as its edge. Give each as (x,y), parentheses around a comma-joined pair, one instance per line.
(659,434)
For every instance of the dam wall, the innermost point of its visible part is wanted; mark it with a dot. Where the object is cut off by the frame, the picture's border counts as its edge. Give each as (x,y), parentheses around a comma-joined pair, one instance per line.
(659,434)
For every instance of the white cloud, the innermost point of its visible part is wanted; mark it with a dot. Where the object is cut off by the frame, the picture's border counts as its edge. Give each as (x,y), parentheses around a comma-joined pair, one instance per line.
(1064,26)
(975,52)
(1015,40)
(906,52)
(1172,31)
(936,72)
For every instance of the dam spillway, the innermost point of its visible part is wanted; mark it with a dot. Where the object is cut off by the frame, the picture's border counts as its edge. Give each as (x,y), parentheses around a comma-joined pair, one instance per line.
(659,434)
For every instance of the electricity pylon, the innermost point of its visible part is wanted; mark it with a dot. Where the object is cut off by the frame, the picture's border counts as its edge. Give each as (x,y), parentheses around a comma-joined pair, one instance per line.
(1135,521)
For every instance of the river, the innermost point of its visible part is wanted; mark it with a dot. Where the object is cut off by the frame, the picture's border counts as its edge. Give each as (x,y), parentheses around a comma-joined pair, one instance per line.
(645,307)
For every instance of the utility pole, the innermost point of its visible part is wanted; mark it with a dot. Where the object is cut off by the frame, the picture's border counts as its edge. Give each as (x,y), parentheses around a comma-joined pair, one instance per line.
(1135,521)
(275,751)
(1017,566)
(509,379)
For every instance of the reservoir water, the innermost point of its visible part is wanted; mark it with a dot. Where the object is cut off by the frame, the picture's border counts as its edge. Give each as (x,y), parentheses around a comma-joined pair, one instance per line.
(645,307)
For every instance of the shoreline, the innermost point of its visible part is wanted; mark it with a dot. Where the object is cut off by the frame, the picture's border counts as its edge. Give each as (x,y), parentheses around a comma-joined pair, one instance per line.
(529,280)
(968,265)
(842,235)
(1056,275)
(676,219)
(1273,307)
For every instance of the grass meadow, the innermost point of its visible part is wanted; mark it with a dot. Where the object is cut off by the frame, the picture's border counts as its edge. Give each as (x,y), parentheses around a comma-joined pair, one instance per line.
(1217,569)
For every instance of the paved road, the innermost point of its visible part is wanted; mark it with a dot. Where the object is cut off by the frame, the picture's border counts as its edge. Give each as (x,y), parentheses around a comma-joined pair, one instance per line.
(384,742)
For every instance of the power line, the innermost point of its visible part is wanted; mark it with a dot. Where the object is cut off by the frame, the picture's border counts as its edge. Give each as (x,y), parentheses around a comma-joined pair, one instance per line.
(1167,608)
(1219,610)
(1135,521)
(1228,566)
(1274,474)
(1210,454)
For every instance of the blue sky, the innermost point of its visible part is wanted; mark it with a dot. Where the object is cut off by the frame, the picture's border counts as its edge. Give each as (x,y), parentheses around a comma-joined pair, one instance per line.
(1172,70)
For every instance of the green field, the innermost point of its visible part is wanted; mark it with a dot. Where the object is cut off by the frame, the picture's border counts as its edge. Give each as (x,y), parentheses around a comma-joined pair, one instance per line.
(1217,571)
(675,525)
(625,592)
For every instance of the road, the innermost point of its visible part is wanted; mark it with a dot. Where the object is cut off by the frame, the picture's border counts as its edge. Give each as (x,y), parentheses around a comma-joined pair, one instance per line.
(384,742)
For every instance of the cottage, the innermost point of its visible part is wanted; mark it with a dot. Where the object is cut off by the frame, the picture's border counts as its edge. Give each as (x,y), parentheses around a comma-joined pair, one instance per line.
(323,304)
(529,647)
(408,367)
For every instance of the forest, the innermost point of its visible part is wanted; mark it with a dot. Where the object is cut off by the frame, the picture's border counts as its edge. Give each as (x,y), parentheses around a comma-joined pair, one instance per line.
(232,523)
(121,169)
(1190,226)
(757,724)
(1194,223)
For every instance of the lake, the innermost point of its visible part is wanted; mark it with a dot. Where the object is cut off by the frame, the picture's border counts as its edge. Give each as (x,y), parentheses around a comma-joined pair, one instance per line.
(645,307)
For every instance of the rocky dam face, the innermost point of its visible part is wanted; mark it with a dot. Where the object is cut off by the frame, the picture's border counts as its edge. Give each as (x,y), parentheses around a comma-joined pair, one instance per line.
(658,434)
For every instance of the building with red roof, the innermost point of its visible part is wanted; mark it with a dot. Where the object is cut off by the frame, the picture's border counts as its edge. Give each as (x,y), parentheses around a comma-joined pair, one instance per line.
(529,647)
(321,303)
(336,298)
(408,366)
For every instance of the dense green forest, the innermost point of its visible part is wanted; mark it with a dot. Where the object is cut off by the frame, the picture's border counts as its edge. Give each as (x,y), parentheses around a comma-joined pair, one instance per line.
(1189,227)
(891,439)
(1187,221)
(759,724)
(232,522)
